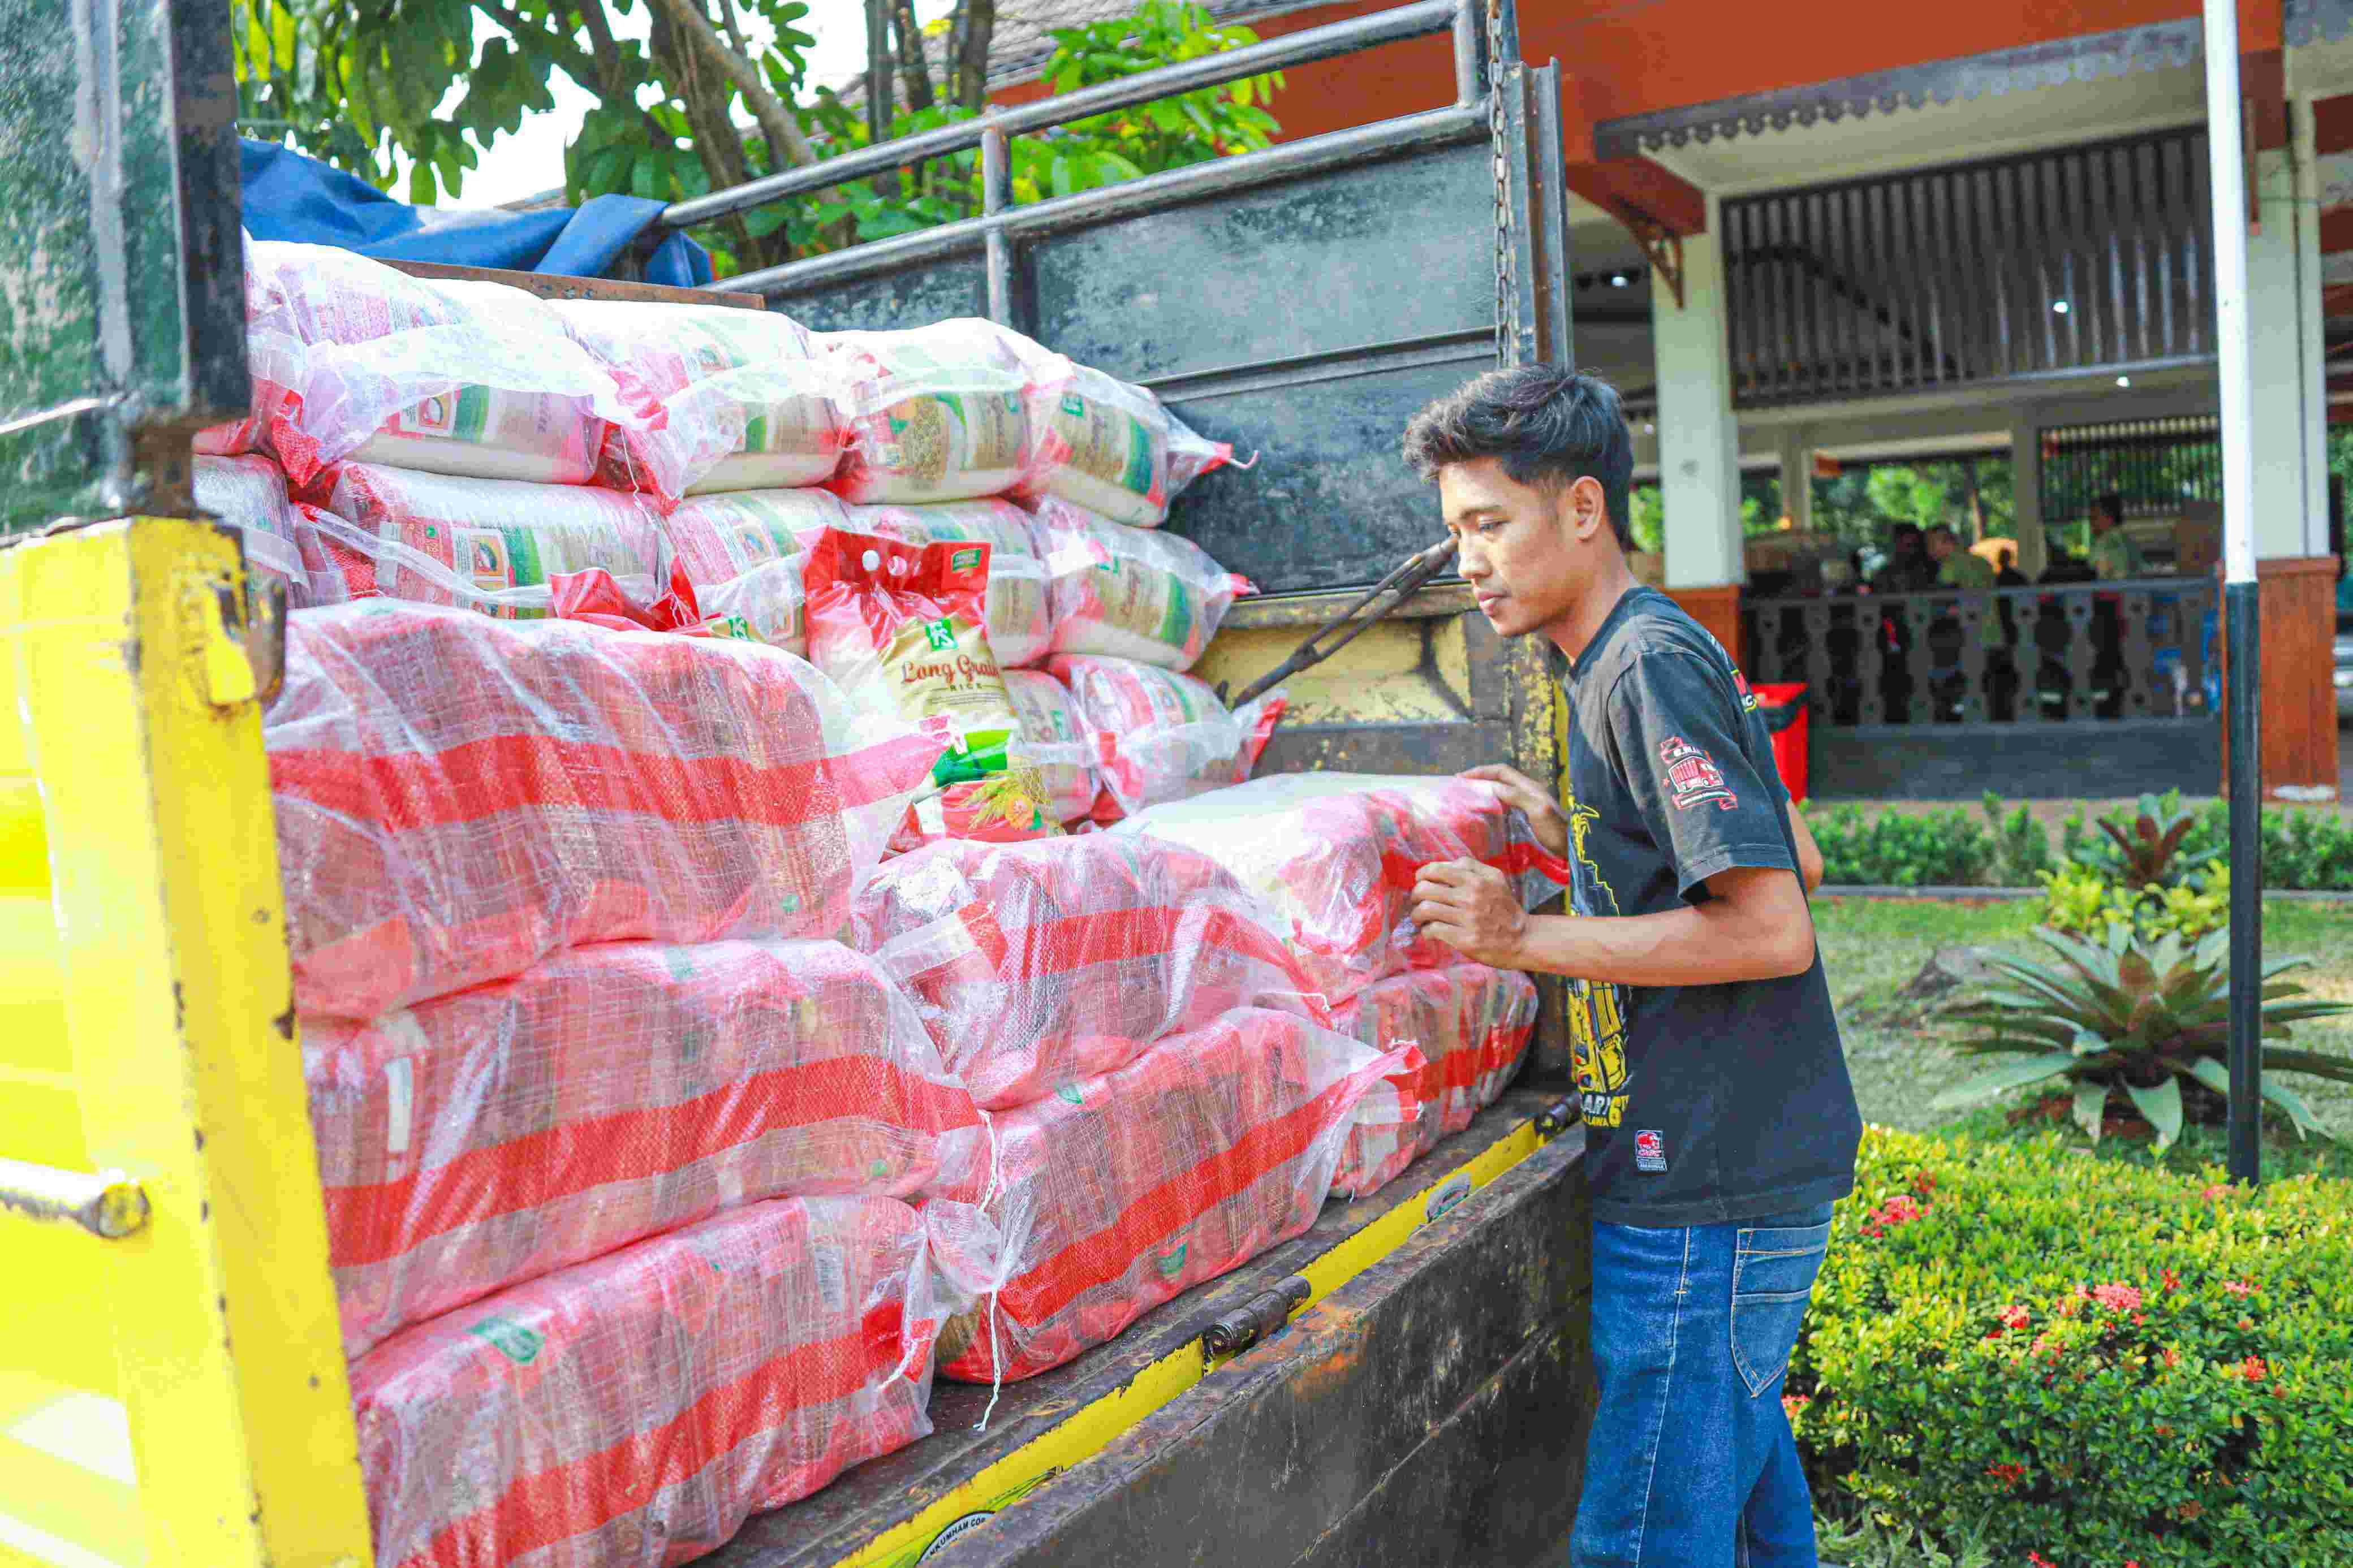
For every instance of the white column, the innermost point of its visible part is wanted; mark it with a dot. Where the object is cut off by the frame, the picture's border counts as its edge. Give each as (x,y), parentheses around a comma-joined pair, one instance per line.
(2309,286)
(2288,398)
(2026,490)
(1699,441)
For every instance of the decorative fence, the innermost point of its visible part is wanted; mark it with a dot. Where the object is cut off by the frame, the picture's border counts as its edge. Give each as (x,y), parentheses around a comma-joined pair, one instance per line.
(2077,653)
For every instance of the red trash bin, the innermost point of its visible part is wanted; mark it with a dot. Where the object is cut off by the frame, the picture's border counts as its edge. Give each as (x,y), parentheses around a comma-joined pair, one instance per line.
(1783,704)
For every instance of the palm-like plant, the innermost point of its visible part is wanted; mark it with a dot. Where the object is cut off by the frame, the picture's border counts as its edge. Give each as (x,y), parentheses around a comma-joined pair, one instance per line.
(2140,853)
(2134,1017)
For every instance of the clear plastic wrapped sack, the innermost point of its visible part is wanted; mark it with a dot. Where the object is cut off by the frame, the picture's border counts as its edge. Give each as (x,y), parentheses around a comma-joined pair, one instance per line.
(610,1093)
(1118,1192)
(1111,448)
(1056,740)
(902,627)
(1472,1024)
(767,605)
(631,1411)
(733,399)
(1161,736)
(1041,965)
(1336,856)
(1020,613)
(458,798)
(248,494)
(352,359)
(940,412)
(1126,593)
(489,545)
(721,537)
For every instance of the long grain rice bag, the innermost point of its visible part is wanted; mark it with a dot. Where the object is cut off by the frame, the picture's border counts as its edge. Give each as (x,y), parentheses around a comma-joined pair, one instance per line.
(1472,1024)
(1161,736)
(1019,612)
(353,359)
(486,544)
(1036,965)
(945,411)
(733,399)
(458,798)
(630,1412)
(1118,1192)
(610,1093)
(719,538)
(1055,738)
(901,628)
(1111,448)
(1336,854)
(1127,593)
(248,494)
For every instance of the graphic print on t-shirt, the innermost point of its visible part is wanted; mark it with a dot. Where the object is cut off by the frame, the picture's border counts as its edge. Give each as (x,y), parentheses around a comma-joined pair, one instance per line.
(1693,777)
(1597,1010)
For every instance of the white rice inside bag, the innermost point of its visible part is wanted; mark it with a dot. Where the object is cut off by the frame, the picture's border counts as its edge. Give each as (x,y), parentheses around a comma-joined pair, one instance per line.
(1056,740)
(1161,736)
(1112,448)
(720,537)
(1020,612)
(1132,593)
(733,399)
(945,411)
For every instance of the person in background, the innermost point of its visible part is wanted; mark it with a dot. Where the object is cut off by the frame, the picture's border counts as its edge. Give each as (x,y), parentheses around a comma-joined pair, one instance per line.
(1957,567)
(1960,568)
(1909,568)
(2113,554)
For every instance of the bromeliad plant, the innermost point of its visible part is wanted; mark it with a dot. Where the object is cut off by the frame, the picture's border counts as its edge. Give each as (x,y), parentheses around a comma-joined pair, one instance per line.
(2129,1017)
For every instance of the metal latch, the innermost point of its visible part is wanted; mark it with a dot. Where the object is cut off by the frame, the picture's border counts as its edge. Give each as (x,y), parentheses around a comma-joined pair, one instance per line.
(1556,1117)
(1255,1318)
(109,1206)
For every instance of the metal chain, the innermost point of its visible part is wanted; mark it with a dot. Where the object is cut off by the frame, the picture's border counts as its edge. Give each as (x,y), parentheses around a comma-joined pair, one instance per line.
(1507,293)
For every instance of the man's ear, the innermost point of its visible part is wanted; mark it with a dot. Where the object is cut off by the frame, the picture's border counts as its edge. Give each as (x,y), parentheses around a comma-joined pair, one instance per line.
(1586,509)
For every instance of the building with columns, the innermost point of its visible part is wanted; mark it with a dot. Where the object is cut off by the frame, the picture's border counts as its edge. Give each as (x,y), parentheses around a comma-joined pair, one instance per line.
(1808,241)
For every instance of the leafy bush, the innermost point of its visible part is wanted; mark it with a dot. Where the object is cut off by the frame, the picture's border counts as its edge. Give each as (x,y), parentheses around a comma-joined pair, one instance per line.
(2134,1018)
(2098,1363)
(2079,902)
(2022,848)
(2144,848)
(1939,849)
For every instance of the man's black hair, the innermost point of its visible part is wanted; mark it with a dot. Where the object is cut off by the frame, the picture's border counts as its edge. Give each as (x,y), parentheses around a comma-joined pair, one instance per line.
(2112,505)
(1548,427)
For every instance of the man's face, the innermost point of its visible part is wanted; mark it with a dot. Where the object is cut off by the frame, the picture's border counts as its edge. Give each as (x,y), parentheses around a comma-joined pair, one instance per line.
(1521,549)
(1941,545)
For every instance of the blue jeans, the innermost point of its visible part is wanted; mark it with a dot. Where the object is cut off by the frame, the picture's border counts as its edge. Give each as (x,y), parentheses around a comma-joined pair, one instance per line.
(1690,1463)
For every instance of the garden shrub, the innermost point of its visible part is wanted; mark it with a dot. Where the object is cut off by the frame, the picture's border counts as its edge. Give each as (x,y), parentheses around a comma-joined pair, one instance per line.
(1937,848)
(2093,1362)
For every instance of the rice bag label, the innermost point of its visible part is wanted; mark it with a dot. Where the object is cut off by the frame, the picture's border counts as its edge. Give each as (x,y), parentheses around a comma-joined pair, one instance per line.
(1106,443)
(463,414)
(927,438)
(509,1338)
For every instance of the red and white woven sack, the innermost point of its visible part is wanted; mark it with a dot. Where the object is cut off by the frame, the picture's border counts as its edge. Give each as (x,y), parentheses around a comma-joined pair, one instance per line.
(611,1093)
(1336,856)
(1160,736)
(632,1411)
(457,797)
(248,494)
(1116,1193)
(1043,963)
(1472,1024)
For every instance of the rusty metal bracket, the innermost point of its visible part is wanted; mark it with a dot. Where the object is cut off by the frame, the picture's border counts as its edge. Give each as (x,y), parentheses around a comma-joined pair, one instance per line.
(1255,1318)
(1661,245)
(109,1206)
(1403,579)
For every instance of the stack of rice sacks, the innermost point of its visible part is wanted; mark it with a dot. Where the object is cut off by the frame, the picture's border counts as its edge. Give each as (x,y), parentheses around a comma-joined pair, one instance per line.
(1167,1096)
(1333,857)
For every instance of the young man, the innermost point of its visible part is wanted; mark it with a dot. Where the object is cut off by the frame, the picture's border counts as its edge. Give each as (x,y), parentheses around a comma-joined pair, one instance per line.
(2114,553)
(1720,1123)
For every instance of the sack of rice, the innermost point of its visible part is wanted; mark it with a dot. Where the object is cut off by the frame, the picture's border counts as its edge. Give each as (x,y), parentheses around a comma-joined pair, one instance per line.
(484,544)
(1161,736)
(1118,1192)
(901,628)
(765,604)
(1020,615)
(1039,964)
(719,538)
(731,399)
(1336,856)
(248,494)
(941,412)
(610,1093)
(1056,740)
(1472,1024)
(1127,593)
(458,798)
(635,1409)
(1111,448)
(353,359)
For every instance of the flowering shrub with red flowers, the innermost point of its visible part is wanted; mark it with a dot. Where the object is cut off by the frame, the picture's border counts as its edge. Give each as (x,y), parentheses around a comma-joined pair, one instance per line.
(2082,1362)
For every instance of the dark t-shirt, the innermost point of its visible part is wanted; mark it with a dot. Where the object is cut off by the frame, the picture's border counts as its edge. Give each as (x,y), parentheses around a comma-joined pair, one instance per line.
(1703,1104)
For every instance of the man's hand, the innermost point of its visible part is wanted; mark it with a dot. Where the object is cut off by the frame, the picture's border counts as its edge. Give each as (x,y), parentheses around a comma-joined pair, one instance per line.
(1473,909)
(1521,792)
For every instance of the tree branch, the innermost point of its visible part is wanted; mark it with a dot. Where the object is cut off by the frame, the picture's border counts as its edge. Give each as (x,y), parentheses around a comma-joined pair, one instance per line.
(913,70)
(976,22)
(776,122)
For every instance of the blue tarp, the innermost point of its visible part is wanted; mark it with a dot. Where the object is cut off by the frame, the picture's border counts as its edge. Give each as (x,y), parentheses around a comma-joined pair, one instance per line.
(293,197)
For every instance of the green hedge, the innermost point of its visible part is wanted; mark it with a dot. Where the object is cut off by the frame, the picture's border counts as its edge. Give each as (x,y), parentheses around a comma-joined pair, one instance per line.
(1993,848)
(2093,1362)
